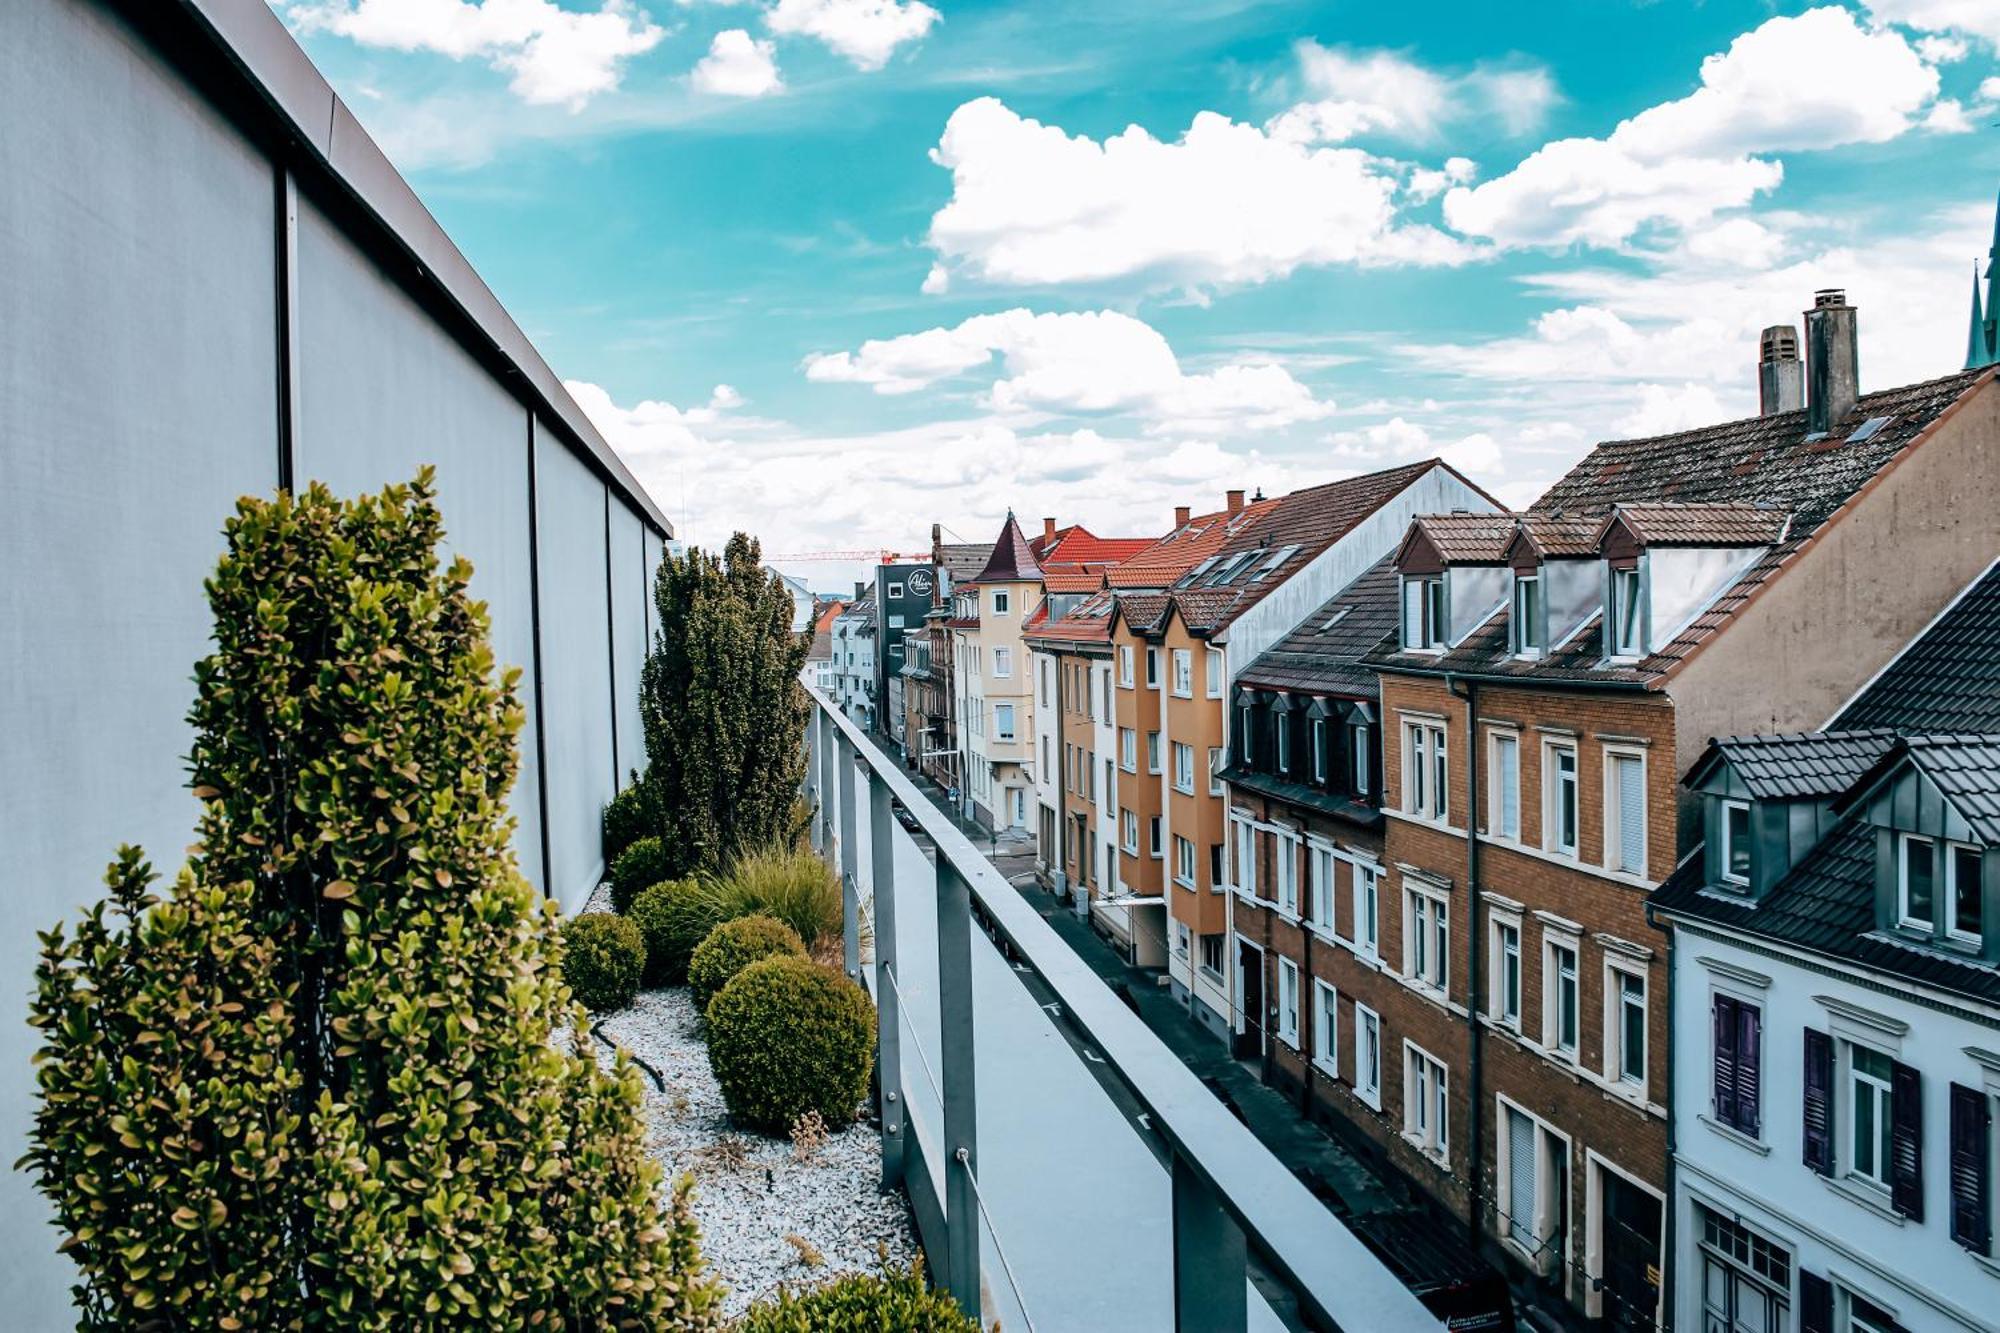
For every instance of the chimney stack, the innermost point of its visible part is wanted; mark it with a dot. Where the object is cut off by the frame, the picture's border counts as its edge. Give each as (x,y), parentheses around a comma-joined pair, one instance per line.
(1181,514)
(1235,501)
(1833,373)
(1781,376)
(1048,529)
(860,592)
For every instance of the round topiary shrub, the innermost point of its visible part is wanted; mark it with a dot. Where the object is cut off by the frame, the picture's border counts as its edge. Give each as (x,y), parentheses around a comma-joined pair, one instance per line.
(674,917)
(603,958)
(787,1036)
(896,1301)
(628,817)
(733,946)
(638,868)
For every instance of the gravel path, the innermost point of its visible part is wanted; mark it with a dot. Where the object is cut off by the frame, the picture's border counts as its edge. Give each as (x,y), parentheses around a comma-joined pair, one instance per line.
(763,1211)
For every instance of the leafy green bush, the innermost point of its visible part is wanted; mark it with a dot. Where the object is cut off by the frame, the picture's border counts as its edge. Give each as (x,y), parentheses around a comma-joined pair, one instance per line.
(628,817)
(787,1036)
(315,1088)
(638,868)
(604,955)
(675,917)
(896,1301)
(790,883)
(733,946)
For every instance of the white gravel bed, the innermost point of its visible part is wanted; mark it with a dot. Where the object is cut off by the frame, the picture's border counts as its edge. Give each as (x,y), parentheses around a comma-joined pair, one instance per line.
(753,1192)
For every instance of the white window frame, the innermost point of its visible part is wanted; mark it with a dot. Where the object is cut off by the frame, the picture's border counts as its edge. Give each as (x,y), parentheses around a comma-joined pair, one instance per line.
(1425,624)
(1427,937)
(1552,794)
(1729,841)
(1526,620)
(1286,858)
(1288,1002)
(1222,954)
(1003,663)
(1504,1003)
(1183,938)
(1129,821)
(1368,1043)
(1951,894)
(1626,610)
(1614,810)
(1183,768)
(1215,753)
(1320,877)
(1357,750)
(1128,749)
(1152,668)
(1552,998)
(1616,972)
(1426,770)
(1426,1102)
(1326,1028)
(1281,724)
(1183,862)
(1002,602)
(1153,756)
(1317,731)
(1003,730)
(1367,889)
(1246,857)
(1903,917)
(1183,665)
(1847,1118)
(1125,666)
(1214,673)
(1502,820)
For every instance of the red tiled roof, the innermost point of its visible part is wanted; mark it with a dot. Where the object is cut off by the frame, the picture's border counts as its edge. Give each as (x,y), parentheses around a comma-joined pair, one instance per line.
(1173,555)
(1089,621)
(1077,578)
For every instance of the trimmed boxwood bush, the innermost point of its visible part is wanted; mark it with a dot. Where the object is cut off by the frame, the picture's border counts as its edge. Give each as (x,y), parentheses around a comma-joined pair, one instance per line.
(628,817)
(897,1301)
(787,1036)
(603,958)
(675,917)
(733,946)
(638,868)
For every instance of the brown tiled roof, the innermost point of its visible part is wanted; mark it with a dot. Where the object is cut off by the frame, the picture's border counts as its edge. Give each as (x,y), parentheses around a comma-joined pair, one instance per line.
(1013,560)
(1076,578)
(1144,611)
(1769,461)
(1089,621)
(1173,555)
(1558,535)
(1733,524)
(1468,538)
(1323,654)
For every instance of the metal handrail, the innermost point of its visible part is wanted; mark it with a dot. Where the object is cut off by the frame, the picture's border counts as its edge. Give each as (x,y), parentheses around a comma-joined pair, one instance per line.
(1218,1165)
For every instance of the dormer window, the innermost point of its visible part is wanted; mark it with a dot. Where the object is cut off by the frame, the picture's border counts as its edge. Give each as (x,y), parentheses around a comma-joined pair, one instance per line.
(1916,883)
(1963,900)
(1423,614)
(1626,614)
(1528,632)
(1735,833)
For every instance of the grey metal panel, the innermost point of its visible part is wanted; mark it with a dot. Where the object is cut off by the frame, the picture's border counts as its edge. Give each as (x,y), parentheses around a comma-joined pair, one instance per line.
(576,664)
(137,401)
(653,553)
(425,401)
(628,631)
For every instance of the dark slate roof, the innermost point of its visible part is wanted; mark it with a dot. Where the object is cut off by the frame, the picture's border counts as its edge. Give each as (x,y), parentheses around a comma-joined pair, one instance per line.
(1323,654)
(1732,524)
(1948,680)
(1013,560)
(1966,771)
(1788,766)
(964,560)
(1769,461)
(1826,904)
(1300,793)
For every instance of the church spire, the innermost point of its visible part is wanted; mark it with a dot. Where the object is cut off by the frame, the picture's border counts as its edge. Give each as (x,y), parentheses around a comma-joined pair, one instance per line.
(1982,344)
(1977,351)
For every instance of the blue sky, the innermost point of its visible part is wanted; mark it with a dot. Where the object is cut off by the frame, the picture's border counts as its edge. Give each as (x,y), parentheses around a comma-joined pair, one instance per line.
(832,270)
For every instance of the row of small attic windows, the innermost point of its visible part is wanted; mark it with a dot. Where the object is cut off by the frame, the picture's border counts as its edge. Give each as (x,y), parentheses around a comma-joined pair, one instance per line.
(1219,571)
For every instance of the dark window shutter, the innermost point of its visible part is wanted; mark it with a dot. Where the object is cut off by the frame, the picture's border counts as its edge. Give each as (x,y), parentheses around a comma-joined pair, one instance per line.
(1906,1141)
(1971,1150)
(1819,1102)
(1749,1055)
(1815,1303)
(1725,1060)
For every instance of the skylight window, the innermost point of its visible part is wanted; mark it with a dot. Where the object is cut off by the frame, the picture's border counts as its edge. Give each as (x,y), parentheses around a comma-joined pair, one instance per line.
(1195,573)
(1869,429)
(1226,573)
(1278,558)
(1339,615)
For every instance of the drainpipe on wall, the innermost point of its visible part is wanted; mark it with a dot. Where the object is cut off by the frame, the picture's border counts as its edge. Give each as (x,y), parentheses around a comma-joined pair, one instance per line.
(1474,953)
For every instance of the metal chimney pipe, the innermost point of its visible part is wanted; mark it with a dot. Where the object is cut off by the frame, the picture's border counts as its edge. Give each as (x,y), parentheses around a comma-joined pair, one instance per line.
(1781,376)
(1833,372)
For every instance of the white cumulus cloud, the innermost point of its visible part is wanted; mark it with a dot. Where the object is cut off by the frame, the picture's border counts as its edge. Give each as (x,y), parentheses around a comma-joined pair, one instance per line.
(1818,80)
(737,65)
(1225,204)
(1099,362)
(1355,92)
(1974,18)
(865,32)
(556,56)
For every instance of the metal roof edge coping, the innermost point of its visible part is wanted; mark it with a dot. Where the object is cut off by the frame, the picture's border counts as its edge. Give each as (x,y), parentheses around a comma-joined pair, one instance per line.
(256,42)
(1289,1228)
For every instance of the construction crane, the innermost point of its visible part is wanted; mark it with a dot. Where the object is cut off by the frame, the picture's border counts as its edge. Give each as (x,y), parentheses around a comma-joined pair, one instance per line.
(879,557)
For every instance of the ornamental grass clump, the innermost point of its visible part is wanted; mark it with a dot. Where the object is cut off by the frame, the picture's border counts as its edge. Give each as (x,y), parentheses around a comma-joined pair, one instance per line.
(604,957)
(674,918)
(897,1300)
(733,946)
(787,1036)
(790,883)
(639,867)
(315,1087)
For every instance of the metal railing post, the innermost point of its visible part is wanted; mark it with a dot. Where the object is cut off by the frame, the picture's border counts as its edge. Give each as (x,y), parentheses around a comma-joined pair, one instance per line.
(814,789)
(850,868)
(956,1036)
(888,1008)
(1210,1262)
(829,746)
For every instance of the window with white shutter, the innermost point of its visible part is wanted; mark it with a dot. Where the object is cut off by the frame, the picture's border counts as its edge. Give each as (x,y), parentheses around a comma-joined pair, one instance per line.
(1520,1180)
(1625,840)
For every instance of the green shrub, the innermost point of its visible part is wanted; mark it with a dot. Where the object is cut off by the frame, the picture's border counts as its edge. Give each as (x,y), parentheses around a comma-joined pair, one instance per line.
(638,868)
(790,883)
(628,817)
(733,946)
(897,1301)
(604,955)
(787,1036)
(251,1093)
(675,917)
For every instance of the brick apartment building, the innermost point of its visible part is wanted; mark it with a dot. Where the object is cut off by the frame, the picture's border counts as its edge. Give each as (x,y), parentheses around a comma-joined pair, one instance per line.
(1553,675)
